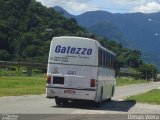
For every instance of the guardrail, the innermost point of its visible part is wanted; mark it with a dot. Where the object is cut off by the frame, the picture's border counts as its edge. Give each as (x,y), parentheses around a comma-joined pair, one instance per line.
(28,65)
(23,64)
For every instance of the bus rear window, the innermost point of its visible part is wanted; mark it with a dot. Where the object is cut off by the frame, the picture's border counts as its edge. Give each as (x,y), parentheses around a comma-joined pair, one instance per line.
(58,80)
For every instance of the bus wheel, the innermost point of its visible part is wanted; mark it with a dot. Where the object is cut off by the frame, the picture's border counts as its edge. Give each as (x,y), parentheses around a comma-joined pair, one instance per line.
(108,100)
(58,101)
(64,102)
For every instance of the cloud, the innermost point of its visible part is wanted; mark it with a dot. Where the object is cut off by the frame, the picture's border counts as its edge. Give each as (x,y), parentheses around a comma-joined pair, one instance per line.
(77,6)
(147,8)
(129,1)
(80,6)
(144,6)
(51,3)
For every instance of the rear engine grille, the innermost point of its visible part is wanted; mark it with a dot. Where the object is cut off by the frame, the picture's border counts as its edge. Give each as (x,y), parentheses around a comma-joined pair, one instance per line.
(58,80)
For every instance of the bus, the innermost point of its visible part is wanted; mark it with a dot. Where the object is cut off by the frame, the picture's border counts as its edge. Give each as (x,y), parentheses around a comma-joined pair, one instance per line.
(79,69)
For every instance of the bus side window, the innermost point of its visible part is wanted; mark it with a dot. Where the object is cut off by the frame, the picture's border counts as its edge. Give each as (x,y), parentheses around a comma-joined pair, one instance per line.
(107,60)
(104,59)
(111,61)
(99,57)
(114,62)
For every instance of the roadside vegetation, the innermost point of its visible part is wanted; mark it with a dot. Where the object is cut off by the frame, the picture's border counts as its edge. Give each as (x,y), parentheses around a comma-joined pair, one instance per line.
(16,83)
(121,81)
(151,97)
(22,85)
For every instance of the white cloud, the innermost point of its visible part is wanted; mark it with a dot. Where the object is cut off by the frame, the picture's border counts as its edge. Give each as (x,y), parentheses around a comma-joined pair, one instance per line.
(129,1)
(77,6)
(147,8)
(51,3)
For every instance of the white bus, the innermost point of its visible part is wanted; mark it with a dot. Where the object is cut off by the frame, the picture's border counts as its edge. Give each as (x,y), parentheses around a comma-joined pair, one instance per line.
(79,69)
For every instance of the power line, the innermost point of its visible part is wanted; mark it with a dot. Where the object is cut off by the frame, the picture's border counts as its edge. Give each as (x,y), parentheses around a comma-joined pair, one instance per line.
(157,2)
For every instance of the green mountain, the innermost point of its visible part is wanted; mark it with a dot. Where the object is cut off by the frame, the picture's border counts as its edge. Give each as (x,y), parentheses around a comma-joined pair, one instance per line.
(133,30)
(27,27)
(141,31)
(110,31)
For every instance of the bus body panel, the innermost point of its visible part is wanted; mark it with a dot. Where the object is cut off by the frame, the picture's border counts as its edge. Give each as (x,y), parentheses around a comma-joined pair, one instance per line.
(79,94)
(78,83)
(72,51)
(107,81)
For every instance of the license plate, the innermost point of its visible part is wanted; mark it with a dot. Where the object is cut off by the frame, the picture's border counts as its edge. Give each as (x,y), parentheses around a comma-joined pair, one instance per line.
(70,91)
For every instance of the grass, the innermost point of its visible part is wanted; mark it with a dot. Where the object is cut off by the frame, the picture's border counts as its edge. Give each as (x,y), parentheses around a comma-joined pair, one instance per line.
(121,81)
(151,97)
(16,83)
(21,85)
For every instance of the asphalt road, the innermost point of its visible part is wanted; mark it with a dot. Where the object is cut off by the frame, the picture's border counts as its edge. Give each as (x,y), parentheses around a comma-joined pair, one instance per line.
(38,104)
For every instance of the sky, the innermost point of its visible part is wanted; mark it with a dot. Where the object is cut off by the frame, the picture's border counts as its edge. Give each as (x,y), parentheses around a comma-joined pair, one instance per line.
(77,7)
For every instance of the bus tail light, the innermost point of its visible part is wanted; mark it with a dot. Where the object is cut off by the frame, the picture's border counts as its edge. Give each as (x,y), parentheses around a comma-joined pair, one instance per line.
(93,83)
(49,79)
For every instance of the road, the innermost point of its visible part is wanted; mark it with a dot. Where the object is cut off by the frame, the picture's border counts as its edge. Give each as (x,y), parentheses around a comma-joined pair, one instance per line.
(38,104)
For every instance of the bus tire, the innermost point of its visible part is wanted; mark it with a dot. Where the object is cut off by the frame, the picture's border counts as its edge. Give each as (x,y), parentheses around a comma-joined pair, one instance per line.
(58,101)
(108,100)
(64,102)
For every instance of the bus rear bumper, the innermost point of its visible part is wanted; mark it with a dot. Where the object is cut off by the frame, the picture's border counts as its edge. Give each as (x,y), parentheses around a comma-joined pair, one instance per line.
(70,93)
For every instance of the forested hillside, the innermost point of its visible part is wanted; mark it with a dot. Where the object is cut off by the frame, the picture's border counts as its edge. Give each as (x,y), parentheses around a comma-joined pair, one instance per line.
(27,27)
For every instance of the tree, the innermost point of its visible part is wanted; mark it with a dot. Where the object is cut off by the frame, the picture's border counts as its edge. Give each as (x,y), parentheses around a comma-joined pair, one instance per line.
(148,71)
(134,58)
(4,55)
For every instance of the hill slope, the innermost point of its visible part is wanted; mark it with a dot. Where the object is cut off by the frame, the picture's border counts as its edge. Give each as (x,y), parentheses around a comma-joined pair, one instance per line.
(27,27)
(134,30)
